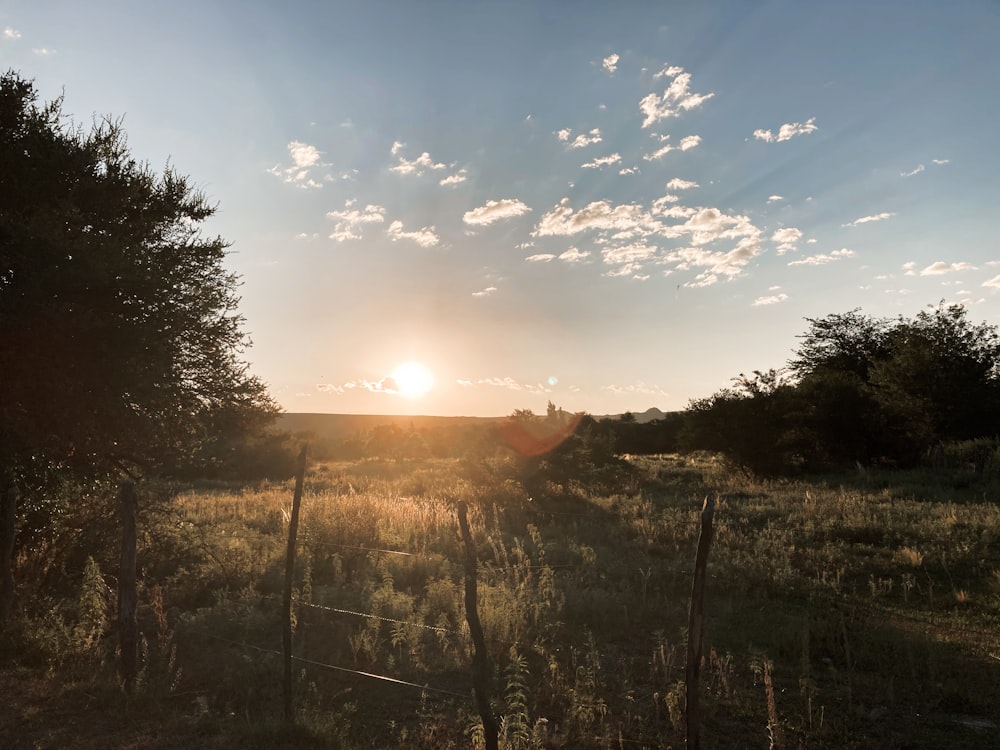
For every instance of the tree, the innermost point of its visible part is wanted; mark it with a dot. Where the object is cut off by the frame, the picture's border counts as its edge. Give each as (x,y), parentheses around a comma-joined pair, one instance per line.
(121,346)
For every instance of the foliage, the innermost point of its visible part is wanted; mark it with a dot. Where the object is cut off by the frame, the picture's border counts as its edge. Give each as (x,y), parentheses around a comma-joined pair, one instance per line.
(122,345)
(860,390)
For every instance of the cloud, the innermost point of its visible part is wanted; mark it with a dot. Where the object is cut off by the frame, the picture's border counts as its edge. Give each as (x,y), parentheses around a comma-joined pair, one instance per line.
(610,63)
(485,292)
(9,33)
(564,134)
(455,179)
(939,268)
(507,383)
(823,259)
(425,237)
(573,255)
(786,239)
(636,388)
(910,268)
(868,219)
(917,170)
(686,144)
(415,167)
(628,170)
(43,51)
(306,160)
(602,161)
(676,99)
(348,223)
(541,258)
(678,184)
(586,139)
(773,198)
(774,299)
(506,208)
(384,385)
(787,131)
(940,162)
(994,282)
(689,142)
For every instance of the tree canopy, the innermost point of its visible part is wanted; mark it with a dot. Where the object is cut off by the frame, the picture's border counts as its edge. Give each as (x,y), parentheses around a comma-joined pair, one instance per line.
(121,344)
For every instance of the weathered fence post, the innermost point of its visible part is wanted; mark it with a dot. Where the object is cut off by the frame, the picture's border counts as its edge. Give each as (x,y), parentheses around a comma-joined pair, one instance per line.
(696,626)
(8,517)
(128,597)
(480,664)
(286,640)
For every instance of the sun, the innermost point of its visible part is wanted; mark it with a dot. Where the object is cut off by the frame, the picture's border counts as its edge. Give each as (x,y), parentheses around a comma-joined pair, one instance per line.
(413,379)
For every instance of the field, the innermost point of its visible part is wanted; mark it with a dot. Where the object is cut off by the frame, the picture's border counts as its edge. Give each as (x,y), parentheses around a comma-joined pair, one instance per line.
(854,611)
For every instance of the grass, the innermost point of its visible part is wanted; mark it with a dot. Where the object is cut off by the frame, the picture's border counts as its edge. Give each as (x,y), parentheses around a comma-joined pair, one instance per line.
(853,611)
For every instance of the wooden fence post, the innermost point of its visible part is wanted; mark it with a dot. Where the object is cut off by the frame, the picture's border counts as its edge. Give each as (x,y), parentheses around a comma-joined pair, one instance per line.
(8,519)
(696,626)
(128,597)
(286,640)
(480,664)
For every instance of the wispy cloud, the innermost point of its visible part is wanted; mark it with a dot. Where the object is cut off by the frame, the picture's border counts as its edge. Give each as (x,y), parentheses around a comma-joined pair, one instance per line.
(541,258)
(774,198)
(574,255)
(306,162)
(456,179)
(507,383)
(386,385)
(786,239)
(676,98)
(940,162)
(994,282)
(425,236)
(773,299)
(414,167)
(349,222)
(823,259)
(941,267)
(586,139)
(610,63)
(602,161)
(485,292)
(787,131)
(686,144)
(916,170)
(506,208)
(11,34)
(639,388)
(678,184)
(43,51)
(868,219)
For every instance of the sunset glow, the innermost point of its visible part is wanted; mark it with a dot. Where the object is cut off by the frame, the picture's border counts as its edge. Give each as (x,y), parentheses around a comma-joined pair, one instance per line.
(412,379)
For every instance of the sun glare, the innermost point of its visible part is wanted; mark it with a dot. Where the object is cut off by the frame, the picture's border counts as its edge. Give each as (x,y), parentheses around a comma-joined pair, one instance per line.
(412,379)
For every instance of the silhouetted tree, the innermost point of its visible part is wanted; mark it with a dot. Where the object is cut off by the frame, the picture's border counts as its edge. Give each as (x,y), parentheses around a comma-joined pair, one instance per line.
(121,346)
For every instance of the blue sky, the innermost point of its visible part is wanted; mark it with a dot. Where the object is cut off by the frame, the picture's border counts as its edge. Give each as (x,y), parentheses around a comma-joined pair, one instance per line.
(609,206)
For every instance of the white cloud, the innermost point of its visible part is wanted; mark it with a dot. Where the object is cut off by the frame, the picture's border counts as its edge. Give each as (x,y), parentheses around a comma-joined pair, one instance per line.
(676,99)
(507,383)
(868,219)
(9,33)
(773,198)
(610,63)
(689,142)
(541,258)
(659,153)
(939,268)
(994,282)
(787,131)
(302,173)
(823,259)
(910,268)
(484,293)
(586,139)
(348,223)
(628,170)
(602,161)
(506,208)
(425,236)
(43,51)
(917,170)
(455,179)
(573,255)
(774,299)
(639,388)
(678,184)
(940,162)
(786,239)
(564,134)
(414,167)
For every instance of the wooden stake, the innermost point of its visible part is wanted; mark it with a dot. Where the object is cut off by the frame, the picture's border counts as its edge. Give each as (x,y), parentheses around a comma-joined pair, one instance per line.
(286,640)
(696,626)
(480,664)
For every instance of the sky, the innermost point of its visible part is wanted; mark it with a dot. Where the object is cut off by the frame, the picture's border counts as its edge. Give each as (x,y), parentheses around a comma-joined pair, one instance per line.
(609,206)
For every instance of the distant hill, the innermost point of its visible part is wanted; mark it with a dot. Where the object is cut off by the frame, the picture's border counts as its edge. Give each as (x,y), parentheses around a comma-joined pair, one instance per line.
(650,415)
(339,426)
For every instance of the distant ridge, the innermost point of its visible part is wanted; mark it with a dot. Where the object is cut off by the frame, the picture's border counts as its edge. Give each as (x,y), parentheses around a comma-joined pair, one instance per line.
(339,426)
(650,415)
